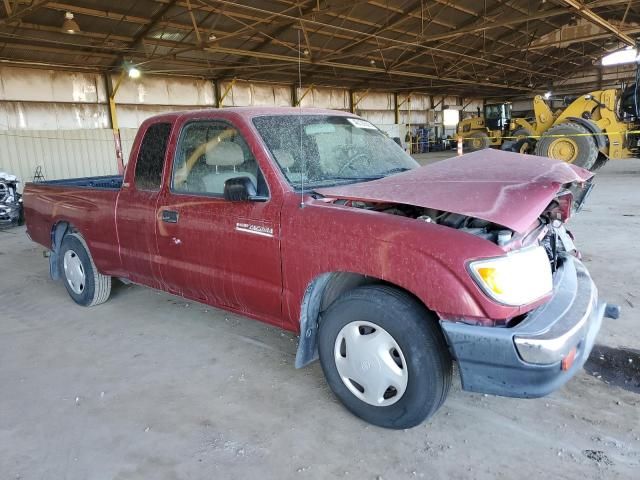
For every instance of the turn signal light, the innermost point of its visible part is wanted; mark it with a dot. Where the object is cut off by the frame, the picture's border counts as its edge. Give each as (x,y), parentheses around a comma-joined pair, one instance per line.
(489,275)
(568,360)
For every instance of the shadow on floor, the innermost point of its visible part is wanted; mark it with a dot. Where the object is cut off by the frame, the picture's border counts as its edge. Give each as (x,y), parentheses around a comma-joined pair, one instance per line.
(615,366)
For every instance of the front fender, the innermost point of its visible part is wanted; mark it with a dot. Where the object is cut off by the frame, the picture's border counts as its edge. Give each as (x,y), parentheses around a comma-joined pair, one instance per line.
(425,259)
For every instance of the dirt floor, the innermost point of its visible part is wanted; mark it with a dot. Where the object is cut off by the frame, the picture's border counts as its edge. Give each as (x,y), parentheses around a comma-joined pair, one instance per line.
(148,386)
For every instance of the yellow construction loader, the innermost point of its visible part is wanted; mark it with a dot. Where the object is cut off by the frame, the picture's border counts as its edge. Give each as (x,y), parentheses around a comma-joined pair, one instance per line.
(592,129)
(495,125)
(487,129)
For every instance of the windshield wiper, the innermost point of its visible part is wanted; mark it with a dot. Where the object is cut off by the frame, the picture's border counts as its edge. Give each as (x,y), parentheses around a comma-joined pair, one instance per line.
(377,176)
(394,170)
(357,178)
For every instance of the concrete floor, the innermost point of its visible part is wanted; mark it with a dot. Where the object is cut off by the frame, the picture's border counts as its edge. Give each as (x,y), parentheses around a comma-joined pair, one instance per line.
(148,386)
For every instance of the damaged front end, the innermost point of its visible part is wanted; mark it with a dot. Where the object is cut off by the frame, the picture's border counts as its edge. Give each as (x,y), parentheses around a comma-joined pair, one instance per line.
(551,311)
(537,352)
(11,210)
(547,230)
(475,226)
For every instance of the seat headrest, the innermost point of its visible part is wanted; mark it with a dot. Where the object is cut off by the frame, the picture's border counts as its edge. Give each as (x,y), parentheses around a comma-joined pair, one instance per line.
(284,158)
(224,154)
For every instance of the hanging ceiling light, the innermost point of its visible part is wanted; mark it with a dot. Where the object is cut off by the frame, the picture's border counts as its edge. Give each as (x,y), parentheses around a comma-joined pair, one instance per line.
(134,72)
(70,25)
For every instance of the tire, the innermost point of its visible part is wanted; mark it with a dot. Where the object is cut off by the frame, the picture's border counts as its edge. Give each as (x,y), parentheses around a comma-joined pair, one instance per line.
(85,285)
(520,133)
(406,334)
(21,214)
(475,141)
(523,143)
(560,142)
(524,146)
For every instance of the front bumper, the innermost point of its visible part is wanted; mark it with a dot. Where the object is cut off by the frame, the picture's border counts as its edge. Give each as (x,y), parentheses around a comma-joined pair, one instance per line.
(526,360)
(9,214)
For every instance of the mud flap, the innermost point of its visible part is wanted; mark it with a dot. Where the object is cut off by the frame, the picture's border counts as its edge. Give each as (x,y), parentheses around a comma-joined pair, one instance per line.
(57,235)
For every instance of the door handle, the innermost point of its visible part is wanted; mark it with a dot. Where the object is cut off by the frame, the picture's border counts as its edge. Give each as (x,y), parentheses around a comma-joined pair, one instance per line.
(169,216)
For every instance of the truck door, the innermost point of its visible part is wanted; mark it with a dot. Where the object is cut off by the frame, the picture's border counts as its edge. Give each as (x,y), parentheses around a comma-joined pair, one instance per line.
(220,252)
(136,206)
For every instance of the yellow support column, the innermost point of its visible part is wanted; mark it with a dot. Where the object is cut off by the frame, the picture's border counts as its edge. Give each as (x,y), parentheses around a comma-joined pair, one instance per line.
(304,94)
(225,93)
(113,114)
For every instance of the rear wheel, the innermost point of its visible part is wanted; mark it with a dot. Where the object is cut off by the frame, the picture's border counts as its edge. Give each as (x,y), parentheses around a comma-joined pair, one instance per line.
(520,133)
(523,143)
(569,142)
(476,141)
(85,285)
(384,356)
(520,143)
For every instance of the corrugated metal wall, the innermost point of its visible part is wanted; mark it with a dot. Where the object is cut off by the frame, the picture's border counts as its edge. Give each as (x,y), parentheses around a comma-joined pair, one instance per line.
(59,120)
(59,153)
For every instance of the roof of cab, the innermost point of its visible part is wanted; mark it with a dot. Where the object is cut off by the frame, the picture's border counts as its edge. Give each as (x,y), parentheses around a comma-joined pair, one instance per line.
(250,112)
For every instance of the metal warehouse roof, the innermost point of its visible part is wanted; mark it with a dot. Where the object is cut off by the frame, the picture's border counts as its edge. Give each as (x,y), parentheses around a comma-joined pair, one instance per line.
(441,46)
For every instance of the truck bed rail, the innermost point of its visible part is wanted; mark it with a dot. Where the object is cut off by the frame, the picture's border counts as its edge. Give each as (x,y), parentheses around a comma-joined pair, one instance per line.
(107,182)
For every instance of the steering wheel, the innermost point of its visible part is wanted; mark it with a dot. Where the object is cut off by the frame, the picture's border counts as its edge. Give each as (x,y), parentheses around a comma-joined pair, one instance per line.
(360,156)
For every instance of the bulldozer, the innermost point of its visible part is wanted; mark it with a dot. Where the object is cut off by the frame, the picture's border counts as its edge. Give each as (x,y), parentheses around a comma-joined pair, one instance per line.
(588,131)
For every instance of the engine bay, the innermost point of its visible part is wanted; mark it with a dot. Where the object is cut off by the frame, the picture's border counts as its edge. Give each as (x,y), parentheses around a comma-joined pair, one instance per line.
(475,226)
(548,230)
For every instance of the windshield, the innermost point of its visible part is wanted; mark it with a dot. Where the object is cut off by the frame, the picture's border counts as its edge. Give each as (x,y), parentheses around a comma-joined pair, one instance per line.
(323,150)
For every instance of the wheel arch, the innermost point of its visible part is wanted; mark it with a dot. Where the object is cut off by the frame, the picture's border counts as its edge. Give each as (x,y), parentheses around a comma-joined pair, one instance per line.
(320,293)
(591,126)
(59,229)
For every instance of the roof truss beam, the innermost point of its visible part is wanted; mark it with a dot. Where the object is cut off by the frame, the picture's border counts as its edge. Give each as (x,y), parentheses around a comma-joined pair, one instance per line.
(596,19)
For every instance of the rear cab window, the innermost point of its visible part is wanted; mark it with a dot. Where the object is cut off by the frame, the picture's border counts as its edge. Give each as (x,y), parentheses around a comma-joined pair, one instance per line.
(150,163)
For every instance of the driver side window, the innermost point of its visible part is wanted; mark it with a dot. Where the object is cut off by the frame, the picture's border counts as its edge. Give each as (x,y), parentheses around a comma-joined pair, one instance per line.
(208,154)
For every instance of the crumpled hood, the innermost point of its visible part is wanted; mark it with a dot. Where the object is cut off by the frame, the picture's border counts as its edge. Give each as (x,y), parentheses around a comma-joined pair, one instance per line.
(505,188)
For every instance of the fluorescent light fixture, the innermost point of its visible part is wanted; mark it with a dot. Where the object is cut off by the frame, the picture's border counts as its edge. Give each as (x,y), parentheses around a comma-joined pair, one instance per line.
(626,55)
(134,73)
(547,95)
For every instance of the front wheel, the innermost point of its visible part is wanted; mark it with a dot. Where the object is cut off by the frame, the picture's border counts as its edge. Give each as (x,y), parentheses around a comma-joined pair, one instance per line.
(384,356)
(569,142)
(85,285)
(476,141)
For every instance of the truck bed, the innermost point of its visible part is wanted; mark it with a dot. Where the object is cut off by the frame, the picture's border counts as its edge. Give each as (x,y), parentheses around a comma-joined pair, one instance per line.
(113,182)
(87,204)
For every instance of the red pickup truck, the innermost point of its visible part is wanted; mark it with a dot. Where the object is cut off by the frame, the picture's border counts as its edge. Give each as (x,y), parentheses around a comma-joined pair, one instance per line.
(317,222)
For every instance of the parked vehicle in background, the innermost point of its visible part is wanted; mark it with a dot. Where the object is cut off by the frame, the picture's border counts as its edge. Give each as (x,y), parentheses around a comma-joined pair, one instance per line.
(485,129)
(317,222)
(588,131)
(11,211)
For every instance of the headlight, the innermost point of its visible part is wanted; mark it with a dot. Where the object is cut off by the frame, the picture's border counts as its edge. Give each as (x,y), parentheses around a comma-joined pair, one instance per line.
(518,278)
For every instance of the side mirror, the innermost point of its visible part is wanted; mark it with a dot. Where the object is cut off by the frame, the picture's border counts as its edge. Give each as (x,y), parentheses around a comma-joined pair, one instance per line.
(239,189)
